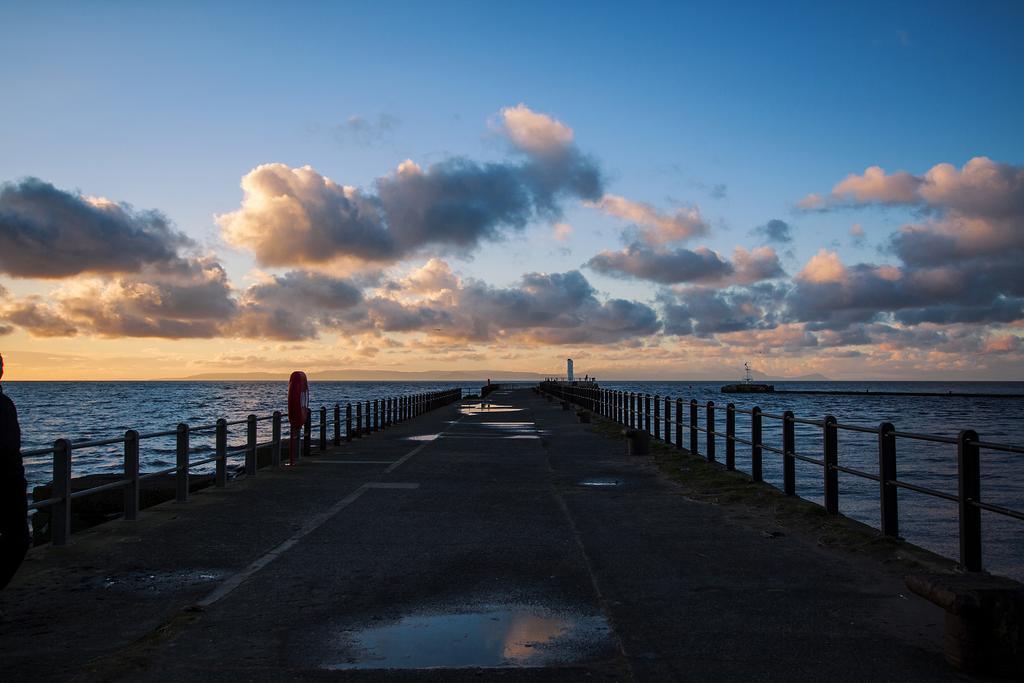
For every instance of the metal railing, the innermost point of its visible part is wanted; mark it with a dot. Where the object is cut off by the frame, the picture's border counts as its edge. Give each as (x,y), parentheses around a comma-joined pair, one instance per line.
(380,413)
(644,411)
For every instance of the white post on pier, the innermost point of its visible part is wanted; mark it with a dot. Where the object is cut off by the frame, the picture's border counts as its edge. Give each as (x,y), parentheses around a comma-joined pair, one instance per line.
(568,369)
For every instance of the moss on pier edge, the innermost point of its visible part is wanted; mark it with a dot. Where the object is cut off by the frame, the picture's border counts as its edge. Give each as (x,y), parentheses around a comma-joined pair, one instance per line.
(710,482)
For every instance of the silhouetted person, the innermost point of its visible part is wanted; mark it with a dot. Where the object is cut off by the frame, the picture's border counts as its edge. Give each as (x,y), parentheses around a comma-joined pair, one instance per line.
(14,538)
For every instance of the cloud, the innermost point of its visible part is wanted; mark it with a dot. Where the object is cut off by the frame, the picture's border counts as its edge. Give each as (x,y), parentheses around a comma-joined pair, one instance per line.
(960,265)
(38,318)
(857,235)
(981,188)
(295,306)
(654,227)
(188,299)
(674,266)
(775,230)
(703,312)
(828,293)
(535,133)
(760,263)
(640,261)
(434,276)
(824,266)
(50,233)
(543,308)
(367,132)
(561,232)
(293,216)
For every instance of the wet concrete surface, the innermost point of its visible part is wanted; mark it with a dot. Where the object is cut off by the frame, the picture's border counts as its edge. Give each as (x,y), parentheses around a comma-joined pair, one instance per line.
(554,557)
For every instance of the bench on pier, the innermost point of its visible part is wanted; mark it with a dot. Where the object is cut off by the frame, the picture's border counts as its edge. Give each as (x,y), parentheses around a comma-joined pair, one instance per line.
(984,619)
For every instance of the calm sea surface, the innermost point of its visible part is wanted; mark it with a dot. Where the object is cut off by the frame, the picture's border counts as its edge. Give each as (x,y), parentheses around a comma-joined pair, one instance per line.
(93,410)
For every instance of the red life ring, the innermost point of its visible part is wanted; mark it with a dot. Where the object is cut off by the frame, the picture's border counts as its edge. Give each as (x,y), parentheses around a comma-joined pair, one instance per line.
(298,400)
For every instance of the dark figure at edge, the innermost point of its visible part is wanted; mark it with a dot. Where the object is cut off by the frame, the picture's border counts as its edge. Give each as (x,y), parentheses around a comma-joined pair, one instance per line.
(14,538)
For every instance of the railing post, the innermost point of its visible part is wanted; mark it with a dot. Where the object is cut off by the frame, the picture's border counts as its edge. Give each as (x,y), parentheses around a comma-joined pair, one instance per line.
(668,420)
(755,447)
(60,512)
(693,426)
(788,448)
(131,473)
(181,472)
(307,436)
(968,470)
(377,417)
(647,413)
(220,479)
(275,437)
(886,475)
(250,445)
(679,423)
(368,417)
(633,417)
(348,422)
(657,416)
(730,436)
(337,424)
(323,428)
(710,434)
(831,441)
(359,420)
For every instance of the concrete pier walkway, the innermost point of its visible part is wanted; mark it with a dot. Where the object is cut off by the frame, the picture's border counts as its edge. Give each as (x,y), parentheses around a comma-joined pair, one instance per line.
(469,538)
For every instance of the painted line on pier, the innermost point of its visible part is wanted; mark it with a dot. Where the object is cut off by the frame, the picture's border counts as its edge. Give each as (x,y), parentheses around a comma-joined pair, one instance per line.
(311,525)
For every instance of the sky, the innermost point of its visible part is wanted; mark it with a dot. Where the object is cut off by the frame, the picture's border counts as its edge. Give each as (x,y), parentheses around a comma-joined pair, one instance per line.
(658,190)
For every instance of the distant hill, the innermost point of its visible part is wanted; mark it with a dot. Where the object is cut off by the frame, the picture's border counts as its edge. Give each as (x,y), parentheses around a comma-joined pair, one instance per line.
(370,376)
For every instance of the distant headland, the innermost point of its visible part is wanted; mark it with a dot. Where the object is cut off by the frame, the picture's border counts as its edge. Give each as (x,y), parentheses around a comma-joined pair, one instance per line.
(368,375)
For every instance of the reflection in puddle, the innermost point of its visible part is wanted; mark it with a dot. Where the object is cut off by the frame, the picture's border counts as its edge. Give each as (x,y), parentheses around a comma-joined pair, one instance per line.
(484,408)
(509,426)
(511,636)
(601,482)
(423,437)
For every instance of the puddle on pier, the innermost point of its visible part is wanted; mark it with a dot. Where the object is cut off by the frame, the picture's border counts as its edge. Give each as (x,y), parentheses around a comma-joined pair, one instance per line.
(506,430)
(435,437)
(490,637)
(601,482)
(423,437)
(484,408)
(159,582)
